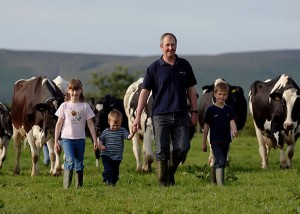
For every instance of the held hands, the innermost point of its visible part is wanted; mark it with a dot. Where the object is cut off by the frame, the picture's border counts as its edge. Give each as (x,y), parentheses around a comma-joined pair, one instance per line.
(135,126)
(134,129)
(95,146)
(101,147)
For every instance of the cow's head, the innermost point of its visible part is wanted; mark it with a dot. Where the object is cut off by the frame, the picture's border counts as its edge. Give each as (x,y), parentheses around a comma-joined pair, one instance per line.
(48,110)
(5,121)
(102,109)
(286,114)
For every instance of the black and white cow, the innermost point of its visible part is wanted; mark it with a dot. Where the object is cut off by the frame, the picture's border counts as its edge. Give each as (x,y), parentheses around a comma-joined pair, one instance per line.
(101,109)
(236,99)
(6,131)
(142,142)
(143,138)
(33,108)
(275,106)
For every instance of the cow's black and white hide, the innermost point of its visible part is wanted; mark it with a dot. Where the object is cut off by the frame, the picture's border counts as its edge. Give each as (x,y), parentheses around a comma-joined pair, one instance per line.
(143,138)
(275,106)
(236,99)
(6,131)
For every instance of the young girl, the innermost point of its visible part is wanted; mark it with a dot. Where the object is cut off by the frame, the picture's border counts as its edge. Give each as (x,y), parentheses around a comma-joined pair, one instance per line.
(219,120)
(73,114)
(111,145)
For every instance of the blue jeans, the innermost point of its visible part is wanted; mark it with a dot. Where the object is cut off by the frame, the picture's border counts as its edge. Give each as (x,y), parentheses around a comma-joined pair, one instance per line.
(171,129)
(74,153)
(220,151)
(111,169)
(46,155)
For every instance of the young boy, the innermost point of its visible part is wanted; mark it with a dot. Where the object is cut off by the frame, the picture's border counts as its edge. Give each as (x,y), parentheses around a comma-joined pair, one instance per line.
(111,145)
(219,120)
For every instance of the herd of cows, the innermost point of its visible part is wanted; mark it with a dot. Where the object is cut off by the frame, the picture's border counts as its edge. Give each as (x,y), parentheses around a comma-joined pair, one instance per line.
(274,105)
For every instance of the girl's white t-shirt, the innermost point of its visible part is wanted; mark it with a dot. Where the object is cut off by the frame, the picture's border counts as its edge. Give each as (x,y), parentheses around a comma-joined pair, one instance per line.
(75,116)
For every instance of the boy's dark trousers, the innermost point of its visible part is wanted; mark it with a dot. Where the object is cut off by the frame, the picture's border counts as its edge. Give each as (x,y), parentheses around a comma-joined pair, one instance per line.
(111,170)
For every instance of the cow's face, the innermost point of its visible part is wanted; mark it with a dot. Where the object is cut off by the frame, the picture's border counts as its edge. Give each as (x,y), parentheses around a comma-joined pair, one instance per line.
(105,105)
(48,110)
(286,108)
(5,120)
(286,114)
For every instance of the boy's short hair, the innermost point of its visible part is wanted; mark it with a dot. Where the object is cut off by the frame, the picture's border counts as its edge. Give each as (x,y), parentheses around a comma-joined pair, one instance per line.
(222,86)
(115,113)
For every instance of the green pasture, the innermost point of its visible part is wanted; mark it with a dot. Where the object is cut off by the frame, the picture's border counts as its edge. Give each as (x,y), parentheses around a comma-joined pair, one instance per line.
(248,188)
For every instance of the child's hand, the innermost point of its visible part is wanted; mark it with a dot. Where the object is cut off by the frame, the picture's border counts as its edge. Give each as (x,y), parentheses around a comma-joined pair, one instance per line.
(234,133)
(57,147)
(95,146)
(101,147)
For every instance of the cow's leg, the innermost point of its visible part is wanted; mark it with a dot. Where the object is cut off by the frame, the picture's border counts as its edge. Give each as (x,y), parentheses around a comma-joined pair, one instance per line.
(262,148)
(290,153)
(55,168)
(35,155)
(3,150)
(97,156)
(35,147)
(286,163)
(282,158)
(17,149)
(2,156)
(148,156)
(51,156)
(137,151)
(211,159)
(263,154)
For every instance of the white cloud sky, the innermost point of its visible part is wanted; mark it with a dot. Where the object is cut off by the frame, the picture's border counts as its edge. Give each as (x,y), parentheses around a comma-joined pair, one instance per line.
(133,27)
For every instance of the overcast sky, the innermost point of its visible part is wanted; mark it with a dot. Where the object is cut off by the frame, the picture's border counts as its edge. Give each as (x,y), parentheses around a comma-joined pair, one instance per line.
(133,27)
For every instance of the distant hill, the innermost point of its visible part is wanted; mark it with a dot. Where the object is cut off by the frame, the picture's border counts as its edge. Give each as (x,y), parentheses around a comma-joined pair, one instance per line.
(237,68)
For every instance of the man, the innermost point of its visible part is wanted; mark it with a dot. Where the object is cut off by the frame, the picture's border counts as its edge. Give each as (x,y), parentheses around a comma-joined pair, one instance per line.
(172,81)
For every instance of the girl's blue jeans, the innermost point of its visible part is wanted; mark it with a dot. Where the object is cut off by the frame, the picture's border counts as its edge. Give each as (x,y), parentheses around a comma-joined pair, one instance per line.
(74,153)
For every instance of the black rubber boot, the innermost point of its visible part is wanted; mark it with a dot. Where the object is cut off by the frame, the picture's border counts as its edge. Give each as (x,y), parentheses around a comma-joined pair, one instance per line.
(172,169)
(79,179)
(162,172)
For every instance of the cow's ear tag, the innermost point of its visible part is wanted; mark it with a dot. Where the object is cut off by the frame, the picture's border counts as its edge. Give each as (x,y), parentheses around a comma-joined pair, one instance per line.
(233,91)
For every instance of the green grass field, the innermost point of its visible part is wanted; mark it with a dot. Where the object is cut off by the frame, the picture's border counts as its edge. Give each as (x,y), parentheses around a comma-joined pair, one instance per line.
(248,188)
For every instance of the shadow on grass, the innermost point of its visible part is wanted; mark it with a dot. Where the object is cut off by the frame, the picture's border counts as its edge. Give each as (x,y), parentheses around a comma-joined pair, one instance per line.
(204,173)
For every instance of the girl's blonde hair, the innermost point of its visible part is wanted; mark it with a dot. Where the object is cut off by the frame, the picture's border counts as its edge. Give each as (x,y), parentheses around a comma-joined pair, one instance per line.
(75,84)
